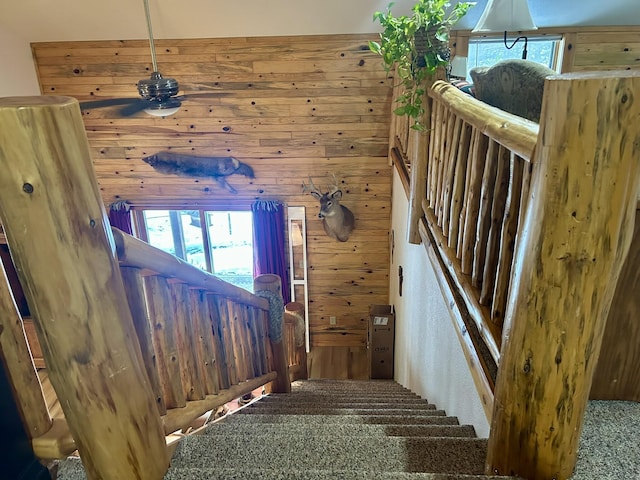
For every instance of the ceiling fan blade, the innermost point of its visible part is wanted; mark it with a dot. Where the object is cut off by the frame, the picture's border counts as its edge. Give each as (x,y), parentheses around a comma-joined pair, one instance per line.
(133,108)
(107,102)
(187,96)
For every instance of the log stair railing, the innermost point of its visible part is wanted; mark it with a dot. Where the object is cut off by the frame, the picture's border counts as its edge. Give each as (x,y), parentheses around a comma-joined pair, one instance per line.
(528,227)
(137,343)
(478,167)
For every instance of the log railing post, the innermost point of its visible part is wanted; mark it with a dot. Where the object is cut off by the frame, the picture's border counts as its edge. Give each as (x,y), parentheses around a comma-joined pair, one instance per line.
(575,237)
(294,314)
(16,357)
(417,149)
(270,287)
(61,242)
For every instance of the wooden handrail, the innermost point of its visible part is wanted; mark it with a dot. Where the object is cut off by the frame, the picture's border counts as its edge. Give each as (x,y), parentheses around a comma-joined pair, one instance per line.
(133,252)
(515,133)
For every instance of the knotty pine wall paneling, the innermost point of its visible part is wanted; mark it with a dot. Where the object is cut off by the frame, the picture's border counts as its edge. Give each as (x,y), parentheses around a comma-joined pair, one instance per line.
(583,49)
(289,106)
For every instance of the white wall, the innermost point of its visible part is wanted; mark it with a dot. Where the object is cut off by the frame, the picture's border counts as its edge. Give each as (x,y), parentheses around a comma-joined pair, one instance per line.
(58,20)
(428,357)
(18,73)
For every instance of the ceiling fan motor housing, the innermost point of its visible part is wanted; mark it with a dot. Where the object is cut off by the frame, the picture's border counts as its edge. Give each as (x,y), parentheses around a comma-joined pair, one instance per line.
(158,87)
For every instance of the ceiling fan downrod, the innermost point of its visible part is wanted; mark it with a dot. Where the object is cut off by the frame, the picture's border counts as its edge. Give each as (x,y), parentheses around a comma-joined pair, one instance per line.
(157,88)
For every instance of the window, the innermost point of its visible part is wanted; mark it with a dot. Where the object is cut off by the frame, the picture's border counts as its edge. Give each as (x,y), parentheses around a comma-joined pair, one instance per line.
(220,242)
(484,52)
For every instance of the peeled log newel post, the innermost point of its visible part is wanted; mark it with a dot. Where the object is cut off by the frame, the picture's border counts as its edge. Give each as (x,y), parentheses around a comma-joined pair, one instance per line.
(576,235)
(61,242)
(269,286)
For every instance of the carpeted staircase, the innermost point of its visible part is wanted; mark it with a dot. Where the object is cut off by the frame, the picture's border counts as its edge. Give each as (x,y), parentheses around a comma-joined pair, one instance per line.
(329,429)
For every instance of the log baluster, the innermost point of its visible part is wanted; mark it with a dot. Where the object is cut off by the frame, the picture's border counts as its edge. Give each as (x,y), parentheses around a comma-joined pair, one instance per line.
(219,347)
(136,299)
(484,214)
(220,316)
(500,194)
(507,240)
(165,340)
(478,159)
(460,181)
(449,174)
(438,129)
(466,193)
(260,320)
(443,159)
(239,339)
(193,378)
(252,342)
(204,338)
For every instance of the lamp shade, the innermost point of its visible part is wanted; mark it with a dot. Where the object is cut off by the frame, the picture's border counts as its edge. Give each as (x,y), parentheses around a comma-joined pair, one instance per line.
(505,16)
(459,67)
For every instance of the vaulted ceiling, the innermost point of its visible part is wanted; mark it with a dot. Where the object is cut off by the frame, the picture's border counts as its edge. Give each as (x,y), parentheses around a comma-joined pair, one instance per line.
(58,20)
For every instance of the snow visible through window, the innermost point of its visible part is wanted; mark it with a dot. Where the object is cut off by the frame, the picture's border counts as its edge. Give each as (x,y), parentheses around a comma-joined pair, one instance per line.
(229,235)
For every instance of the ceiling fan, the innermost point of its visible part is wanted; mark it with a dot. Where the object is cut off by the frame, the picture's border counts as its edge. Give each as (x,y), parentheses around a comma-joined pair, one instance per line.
(158,94)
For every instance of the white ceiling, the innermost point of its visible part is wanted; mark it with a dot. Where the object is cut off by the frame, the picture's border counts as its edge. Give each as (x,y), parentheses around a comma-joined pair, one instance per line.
(57,20)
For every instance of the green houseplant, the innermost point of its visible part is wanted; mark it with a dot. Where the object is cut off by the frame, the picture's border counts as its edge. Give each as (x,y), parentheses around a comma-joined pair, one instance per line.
(416,46)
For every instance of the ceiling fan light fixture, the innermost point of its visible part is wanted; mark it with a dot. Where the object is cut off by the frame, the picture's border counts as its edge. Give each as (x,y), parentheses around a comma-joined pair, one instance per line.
(163,108)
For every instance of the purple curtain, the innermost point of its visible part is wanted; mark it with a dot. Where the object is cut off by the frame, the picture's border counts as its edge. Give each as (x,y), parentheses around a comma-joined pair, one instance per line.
(268,242)
(120,217)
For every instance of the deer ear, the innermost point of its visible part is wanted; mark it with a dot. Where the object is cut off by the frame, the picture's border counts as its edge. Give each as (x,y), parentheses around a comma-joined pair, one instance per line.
(337,195)
(316,195)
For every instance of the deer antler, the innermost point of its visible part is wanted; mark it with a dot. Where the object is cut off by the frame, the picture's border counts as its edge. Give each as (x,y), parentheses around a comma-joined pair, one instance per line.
(311,188)
(335,185)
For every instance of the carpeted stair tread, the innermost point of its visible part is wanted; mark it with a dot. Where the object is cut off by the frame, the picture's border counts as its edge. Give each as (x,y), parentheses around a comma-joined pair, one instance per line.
(284,418)
(327,410)
(348,385)
(72,469)
(344,429)
(363,454)
(324,404)
(344,397)
(262,473)
(359,403)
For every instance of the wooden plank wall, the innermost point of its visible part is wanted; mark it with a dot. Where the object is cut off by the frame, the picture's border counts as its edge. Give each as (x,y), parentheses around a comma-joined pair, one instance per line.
(603,50)
(291,107)
(584,49)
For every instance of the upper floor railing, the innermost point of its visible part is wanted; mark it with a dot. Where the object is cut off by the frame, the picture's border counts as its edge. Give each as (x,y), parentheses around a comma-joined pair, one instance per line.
(528,227)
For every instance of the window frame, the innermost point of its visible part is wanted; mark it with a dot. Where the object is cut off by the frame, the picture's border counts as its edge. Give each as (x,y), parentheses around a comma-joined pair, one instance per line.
(498,38)
(140,227)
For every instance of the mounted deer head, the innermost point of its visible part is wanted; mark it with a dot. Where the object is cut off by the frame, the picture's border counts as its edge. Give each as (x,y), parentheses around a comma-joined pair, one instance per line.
(338,220)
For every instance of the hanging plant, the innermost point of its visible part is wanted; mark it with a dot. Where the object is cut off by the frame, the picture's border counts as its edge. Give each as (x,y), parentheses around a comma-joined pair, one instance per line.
(416,46)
